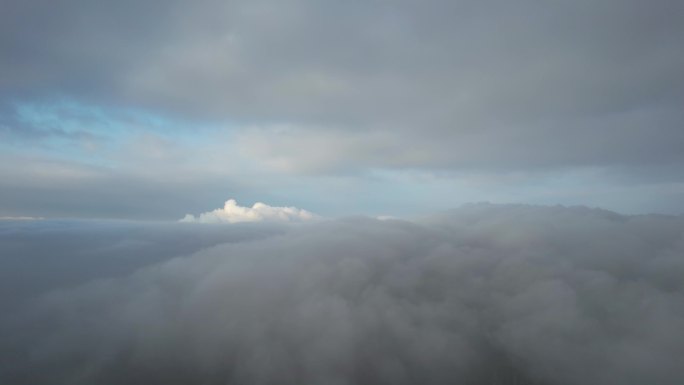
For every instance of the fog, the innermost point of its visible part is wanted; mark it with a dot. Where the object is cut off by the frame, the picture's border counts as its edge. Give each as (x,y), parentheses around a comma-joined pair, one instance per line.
(484,294)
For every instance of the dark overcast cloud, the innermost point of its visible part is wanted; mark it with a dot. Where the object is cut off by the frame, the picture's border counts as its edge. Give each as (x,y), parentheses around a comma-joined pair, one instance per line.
(483,294)
(486,84)
(286,101)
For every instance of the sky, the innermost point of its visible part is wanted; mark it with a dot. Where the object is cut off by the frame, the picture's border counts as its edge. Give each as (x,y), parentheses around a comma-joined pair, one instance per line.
(157,109)
(379,192)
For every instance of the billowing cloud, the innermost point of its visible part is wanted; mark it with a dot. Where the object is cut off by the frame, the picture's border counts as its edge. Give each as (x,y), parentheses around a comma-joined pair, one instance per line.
(259,212)
(483,294)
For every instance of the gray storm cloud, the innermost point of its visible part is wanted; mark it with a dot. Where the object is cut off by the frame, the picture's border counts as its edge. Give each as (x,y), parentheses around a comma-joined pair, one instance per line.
(584,83)
(585,93)
(486,294)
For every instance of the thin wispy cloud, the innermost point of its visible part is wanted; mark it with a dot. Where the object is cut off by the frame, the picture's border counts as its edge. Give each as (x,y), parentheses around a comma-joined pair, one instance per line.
(20,218)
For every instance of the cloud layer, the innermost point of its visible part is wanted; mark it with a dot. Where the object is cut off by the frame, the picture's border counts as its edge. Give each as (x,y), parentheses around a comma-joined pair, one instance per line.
(44,255)
(482,294)
(465,84)
(259,212)
(190,101)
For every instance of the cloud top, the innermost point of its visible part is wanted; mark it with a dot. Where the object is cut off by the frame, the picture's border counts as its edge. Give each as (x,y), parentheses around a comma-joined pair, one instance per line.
(486,294)
(259,212)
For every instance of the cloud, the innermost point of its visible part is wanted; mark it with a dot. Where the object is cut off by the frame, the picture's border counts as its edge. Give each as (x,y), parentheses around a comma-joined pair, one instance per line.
(321,91)
(45,255)
(448,84)
(482,294)
(259,212)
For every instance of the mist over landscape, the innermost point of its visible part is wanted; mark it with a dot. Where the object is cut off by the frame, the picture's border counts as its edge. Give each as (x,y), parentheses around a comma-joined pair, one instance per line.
(325,192)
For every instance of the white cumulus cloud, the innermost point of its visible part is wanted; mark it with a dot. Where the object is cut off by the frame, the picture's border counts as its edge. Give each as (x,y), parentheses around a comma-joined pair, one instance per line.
(259,212)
